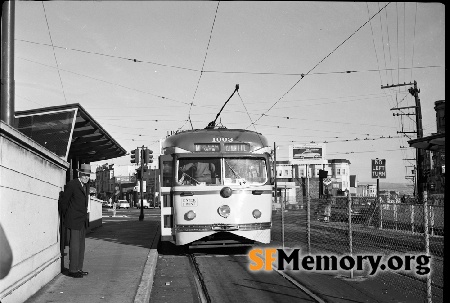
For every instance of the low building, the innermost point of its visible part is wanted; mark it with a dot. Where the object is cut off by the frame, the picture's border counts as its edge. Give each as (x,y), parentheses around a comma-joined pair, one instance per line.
(434,162)
(295,180)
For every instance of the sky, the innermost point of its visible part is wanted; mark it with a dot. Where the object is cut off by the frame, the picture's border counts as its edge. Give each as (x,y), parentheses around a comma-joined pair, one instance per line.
(307,71)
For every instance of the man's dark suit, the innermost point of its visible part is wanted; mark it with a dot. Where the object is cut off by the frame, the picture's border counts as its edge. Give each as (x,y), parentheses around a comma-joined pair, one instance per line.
(74,206)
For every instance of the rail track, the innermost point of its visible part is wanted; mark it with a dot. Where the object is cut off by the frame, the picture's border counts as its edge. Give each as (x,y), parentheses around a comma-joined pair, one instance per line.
(204,285)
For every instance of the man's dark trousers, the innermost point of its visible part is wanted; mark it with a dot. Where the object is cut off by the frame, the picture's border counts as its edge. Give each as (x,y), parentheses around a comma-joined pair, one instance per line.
(76,249)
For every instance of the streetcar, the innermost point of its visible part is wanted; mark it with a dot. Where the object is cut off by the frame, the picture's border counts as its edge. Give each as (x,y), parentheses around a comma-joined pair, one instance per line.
(215,188)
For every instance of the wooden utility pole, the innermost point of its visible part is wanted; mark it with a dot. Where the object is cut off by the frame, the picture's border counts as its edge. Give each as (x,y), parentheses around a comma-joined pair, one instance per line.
(420,180)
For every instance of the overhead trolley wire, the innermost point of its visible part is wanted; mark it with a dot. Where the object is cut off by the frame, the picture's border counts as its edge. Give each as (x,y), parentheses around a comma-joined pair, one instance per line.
(414,40)
(203,65)
(110,56)
(398,52)
(303,75)
(221,71)
(54,54)
(112,83)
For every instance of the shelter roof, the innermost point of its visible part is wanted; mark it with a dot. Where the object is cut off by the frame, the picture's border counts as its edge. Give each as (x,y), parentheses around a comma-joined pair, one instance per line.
(434,142)
(70,132)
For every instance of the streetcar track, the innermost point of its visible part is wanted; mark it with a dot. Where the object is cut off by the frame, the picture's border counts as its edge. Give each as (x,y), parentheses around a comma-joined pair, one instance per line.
(299,285)
(202,291)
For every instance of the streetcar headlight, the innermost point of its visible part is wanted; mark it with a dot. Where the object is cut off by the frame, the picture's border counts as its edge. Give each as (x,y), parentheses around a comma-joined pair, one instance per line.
(226,192)
(190,215)
(224,211)
(256,214)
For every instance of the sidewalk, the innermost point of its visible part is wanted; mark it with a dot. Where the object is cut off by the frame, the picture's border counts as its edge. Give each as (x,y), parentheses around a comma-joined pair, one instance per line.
(120,258)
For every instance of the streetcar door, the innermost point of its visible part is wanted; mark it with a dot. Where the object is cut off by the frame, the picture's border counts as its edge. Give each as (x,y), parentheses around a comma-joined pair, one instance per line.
(166,196)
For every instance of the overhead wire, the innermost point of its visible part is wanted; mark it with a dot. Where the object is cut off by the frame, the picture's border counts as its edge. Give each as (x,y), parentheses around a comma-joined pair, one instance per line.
(389,42)
(399,122)
(108,82)
(323,59)
(404,38)
(232,71)
(54,54)
(398,52)
(373,42)
(111,56)
(414,41)
(203,65)
(270,115)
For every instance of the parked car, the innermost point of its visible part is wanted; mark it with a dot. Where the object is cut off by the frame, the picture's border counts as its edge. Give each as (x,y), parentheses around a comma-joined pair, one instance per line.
(146,204)
(123,204)
(107,204)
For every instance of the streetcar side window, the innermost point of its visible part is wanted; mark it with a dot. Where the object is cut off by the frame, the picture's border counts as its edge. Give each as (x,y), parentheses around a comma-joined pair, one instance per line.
(167,173)
(245,171)
(199,171)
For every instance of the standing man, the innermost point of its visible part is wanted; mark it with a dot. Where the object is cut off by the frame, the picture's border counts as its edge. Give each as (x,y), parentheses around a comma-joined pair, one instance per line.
(75,208)
(116,200)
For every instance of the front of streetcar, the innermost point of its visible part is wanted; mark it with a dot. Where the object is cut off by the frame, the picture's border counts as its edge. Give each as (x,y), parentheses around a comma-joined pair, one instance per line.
(216,188)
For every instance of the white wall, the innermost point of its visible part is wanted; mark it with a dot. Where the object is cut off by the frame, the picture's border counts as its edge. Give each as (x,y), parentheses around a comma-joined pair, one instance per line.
(31,178)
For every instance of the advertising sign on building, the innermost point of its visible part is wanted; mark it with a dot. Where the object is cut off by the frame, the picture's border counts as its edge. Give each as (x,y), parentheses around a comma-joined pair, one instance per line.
(379,168)
(307,153)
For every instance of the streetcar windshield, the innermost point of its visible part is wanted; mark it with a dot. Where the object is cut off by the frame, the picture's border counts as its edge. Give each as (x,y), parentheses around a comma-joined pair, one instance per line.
(221,171)
(244,171)
(199,171)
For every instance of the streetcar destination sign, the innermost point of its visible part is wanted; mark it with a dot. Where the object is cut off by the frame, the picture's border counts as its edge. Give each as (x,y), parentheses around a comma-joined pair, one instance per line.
(379,168)
(202,147)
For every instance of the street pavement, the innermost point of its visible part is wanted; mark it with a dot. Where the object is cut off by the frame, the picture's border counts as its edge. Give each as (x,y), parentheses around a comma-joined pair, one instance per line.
(122,261)
(120,258)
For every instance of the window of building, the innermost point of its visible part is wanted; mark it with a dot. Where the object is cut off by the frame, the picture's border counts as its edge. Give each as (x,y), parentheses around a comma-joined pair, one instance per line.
(338,171)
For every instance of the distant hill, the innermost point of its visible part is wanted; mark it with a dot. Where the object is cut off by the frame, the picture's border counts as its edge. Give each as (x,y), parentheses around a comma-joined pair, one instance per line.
(403,188)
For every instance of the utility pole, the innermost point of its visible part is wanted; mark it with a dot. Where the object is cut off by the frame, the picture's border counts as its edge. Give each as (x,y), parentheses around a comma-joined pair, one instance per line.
(420,180)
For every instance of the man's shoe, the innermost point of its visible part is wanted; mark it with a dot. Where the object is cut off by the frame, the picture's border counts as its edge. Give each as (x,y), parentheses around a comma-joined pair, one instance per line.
(75,274)
(84,273)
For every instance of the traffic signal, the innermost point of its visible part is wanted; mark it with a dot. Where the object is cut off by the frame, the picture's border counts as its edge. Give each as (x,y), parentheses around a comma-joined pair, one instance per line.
(135,156)
(323,173)
(148,156)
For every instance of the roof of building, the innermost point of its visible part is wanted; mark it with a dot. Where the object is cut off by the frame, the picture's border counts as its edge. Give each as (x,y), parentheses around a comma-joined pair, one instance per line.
(70,132)
(339,161)
(434,142)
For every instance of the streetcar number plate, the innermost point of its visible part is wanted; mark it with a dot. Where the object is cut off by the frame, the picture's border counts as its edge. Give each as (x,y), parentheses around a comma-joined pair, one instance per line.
(189,202)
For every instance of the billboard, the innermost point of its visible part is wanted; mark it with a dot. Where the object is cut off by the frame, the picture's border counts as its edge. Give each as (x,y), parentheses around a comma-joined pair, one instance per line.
(307,153)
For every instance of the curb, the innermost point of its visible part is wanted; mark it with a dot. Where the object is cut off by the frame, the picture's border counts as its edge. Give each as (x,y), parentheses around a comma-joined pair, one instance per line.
(146,284)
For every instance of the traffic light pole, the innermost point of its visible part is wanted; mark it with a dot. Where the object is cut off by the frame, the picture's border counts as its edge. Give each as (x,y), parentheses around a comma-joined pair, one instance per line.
(141,216)
(143,156)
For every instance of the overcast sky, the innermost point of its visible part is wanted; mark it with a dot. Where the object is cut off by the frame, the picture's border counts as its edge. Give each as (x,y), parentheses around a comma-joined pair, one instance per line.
(142,69)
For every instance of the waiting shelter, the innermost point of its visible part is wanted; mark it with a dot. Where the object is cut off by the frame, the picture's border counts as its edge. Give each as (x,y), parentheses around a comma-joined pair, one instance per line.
(70,132)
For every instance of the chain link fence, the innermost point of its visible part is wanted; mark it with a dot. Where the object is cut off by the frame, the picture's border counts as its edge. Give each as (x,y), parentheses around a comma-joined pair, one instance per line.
(365,225)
